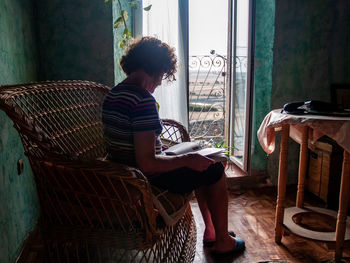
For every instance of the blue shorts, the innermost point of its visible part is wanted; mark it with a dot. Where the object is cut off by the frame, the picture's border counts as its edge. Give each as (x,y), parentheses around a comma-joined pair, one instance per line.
(185,180)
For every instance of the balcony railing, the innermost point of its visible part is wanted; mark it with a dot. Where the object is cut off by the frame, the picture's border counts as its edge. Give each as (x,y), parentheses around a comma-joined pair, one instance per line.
(207,83)
(207,97)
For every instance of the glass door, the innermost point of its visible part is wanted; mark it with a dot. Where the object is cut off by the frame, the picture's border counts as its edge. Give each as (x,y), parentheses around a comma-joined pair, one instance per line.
(240,81)
(207,70)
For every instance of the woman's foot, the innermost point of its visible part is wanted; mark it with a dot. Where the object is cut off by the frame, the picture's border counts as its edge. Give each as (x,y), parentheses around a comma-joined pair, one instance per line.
(229,245)
(209,235)
(210,242)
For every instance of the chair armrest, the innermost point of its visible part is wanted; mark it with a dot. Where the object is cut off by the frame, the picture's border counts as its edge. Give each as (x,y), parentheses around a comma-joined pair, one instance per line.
(174,132)
(97,194)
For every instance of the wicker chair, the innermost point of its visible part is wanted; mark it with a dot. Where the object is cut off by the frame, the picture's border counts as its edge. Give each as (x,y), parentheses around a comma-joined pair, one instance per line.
(92,210)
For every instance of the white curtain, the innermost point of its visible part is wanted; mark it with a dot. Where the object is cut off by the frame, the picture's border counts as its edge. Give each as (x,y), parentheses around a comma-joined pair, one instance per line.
(167,20)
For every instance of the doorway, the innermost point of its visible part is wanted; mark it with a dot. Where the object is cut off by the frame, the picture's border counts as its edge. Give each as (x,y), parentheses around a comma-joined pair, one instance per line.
(207,70)
(213,94)
(240,78)
(220,51)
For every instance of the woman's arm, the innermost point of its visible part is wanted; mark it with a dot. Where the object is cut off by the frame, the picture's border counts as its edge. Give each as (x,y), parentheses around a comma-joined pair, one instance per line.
(149,162)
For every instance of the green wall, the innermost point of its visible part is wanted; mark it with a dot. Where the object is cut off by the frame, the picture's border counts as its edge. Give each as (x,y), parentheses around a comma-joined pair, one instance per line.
(43,40)
(117,33)
(19,207)
(264,37)
(75,40)
(311,51)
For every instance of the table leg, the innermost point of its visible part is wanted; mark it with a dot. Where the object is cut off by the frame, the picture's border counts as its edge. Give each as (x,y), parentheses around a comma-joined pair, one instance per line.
(282,181)
(343,207)
(302,167)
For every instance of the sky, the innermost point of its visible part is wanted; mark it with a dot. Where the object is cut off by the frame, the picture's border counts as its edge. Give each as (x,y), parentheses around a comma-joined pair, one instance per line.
(208,26)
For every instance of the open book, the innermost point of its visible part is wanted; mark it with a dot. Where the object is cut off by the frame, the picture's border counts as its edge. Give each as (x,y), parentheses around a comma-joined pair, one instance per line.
(216,154)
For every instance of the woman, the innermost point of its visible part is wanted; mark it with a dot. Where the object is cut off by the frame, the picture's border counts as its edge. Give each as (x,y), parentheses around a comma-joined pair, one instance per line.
(132,129)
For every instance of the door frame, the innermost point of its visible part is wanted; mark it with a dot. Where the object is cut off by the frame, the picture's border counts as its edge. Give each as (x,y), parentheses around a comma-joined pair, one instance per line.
(231,51)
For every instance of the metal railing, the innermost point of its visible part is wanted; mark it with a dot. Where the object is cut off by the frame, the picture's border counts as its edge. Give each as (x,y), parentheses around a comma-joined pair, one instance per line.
(207,83)
(207,97)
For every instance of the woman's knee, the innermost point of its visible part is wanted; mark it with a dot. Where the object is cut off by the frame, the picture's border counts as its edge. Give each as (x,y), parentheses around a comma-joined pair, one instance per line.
(215,173)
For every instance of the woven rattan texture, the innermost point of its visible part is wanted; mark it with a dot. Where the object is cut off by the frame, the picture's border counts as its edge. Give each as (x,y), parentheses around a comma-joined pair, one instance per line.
(57,117)
(91,210)
(175,244)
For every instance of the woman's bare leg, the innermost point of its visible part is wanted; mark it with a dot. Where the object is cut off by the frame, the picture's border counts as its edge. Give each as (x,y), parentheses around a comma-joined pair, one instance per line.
(209,232)
(214,202)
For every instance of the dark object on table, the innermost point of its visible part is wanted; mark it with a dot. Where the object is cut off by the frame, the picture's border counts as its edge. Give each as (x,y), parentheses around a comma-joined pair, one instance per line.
(315,107)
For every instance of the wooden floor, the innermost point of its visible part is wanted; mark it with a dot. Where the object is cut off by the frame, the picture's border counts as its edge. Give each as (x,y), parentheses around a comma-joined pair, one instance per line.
(251,216)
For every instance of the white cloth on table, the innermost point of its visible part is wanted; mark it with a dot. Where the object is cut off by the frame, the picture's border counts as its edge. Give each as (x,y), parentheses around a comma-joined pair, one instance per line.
(337,128)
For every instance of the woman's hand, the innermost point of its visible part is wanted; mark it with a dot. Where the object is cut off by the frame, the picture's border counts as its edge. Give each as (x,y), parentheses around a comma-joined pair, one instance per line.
(198,162)
(149,162)
(164,147)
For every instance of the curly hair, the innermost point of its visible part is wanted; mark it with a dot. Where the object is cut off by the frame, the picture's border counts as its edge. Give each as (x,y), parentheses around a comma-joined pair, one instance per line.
(151,55)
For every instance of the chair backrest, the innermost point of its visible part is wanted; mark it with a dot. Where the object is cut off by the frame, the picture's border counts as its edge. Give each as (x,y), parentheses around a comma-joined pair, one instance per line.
(81,198)
(57,118)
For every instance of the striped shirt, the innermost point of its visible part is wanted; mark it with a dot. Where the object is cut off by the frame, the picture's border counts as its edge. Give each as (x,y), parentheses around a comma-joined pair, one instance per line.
(127,109)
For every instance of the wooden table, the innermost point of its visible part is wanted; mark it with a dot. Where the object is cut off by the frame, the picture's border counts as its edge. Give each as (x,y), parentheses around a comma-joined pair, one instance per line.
(306,130)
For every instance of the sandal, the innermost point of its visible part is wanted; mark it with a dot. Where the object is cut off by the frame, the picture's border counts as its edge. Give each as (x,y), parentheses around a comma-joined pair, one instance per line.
(207,243)
(239,247)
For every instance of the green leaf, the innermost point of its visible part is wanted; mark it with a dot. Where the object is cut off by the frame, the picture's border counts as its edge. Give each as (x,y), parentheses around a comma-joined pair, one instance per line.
(147,8)
(228,150)
(129,34)
(122,43)
(119,22)
(135,4)
(126,33)
(106,1)
(124,14)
